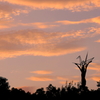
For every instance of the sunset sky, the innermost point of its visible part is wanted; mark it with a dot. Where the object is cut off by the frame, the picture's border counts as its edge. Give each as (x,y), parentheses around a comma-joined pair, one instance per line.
(40,40)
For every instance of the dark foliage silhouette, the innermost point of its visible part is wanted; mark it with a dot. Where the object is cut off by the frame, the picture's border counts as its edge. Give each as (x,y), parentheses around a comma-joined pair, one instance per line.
(18,94)
(70,91)
(4,85)
(4,88)
(83,68)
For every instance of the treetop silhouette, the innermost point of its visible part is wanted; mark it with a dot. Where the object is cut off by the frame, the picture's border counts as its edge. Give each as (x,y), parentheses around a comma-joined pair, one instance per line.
(4,85)
(82,65)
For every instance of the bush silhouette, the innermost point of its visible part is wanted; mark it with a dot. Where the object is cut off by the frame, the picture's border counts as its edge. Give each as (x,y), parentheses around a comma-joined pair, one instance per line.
(69,91)
(4,85)
(4,88)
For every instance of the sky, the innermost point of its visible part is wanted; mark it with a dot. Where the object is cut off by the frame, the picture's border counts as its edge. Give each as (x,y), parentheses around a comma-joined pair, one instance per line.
(40,40)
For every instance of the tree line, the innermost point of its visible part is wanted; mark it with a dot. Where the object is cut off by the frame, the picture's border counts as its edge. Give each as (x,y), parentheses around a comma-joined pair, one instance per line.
(70,91)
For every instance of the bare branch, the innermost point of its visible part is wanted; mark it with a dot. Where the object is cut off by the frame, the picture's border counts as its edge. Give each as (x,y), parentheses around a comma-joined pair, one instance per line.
(77,65)
(86,58)
(79,58)
(89,60)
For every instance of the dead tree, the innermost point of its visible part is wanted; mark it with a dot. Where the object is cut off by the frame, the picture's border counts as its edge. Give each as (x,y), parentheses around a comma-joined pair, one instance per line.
(82,65)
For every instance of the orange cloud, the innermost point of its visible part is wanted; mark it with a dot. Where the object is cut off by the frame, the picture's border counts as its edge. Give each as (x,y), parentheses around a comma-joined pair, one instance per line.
(96,78)
(96,20)
(42,72)
(63,82)
(64,22)
(94,66)
(37,43)
(98,41)
(58,4)
(91,20)
(62,78)
(10,23)
(95,31)
(7,10)
(6,23)
(40,79)
(39,25)
(42,25)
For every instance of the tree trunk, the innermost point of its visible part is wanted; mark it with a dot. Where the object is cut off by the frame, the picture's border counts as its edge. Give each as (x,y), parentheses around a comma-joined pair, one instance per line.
(83,80)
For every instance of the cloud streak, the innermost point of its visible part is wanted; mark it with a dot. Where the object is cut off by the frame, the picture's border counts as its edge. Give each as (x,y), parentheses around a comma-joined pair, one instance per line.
(7,10)
(62,78)
(41,25)
(38,43)
(98,41)
(40,79)
(94,66)
(42,72)
(58,4)
(95,78)
(91,20)
(5,23)
(59,79)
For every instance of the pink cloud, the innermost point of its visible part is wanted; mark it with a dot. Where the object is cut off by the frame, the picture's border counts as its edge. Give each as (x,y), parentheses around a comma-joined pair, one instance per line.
(97,41)
(63,80)
(40,79)
(94,66)
(91,20)
(7,10)
(96,78)
(41,25)
(38,43)
(4,23)
(42,72)
(58,4)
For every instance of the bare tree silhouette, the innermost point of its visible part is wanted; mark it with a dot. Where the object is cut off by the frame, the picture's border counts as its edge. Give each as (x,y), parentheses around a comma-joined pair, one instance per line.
(83,68)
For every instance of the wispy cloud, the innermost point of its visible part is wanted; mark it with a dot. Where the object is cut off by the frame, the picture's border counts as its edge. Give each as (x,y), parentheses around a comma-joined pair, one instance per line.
(94,66)
(91,20)
(5,23)
(78,5)
(40,79)
(7,10)
(97,41)
(38,43)
(96,78)
(59,79)
(62,78)
(41,25)
(42,72)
